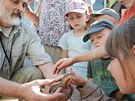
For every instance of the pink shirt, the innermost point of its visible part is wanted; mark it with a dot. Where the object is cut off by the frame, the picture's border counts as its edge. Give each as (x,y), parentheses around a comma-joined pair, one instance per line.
(128,14)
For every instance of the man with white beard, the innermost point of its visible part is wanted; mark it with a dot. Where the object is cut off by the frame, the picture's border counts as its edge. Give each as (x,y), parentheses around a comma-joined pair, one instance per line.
(16,41)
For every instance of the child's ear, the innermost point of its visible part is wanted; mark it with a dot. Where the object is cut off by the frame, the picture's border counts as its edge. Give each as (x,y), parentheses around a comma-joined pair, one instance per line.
(133,49)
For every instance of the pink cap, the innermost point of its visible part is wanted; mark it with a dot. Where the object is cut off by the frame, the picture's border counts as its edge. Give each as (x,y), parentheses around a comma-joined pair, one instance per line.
(77,6)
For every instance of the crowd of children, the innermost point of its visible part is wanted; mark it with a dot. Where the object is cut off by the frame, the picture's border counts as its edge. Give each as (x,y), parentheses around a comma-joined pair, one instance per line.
(97,27)
(99,50)
(117,60)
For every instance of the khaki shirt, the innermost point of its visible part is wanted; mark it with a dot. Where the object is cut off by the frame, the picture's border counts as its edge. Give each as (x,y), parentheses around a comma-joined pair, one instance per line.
(21,41)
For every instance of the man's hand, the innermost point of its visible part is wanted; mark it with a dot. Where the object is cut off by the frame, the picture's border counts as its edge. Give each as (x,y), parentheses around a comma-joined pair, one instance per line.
(32,92)
(62,64)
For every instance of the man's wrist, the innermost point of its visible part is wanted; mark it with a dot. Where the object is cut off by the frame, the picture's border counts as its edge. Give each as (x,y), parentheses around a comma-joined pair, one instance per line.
(21,91)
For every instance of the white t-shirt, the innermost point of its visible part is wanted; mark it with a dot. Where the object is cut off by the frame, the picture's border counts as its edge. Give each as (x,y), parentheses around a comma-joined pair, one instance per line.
(75,46)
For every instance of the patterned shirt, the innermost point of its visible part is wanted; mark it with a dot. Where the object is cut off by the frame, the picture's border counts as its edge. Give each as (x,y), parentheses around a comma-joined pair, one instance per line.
(52,23)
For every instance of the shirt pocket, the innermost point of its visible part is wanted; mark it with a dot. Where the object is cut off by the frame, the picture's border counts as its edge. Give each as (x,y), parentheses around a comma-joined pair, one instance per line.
(17,52)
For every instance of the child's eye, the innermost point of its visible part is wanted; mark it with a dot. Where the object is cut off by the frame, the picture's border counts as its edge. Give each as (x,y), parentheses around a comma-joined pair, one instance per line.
(71,18)
(92,40)
(79,16)
(100,36)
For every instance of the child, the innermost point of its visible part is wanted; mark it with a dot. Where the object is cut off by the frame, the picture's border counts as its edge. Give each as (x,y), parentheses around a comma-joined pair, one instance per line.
(98,34)
(77,15)
(97,52)
(97,69)
(121,47)
(107,14)
(51,24)
(71,42)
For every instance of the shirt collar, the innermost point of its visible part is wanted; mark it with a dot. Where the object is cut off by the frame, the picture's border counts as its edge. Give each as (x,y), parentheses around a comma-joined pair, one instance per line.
(15,30)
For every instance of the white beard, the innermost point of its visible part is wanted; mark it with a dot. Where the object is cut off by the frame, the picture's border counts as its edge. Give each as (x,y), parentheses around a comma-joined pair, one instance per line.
(14,21)
(7,17)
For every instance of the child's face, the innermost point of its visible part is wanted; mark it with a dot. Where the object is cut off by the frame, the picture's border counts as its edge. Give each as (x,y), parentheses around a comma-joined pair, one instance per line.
(99,38)
(116,71)
(124,77)
(125,84)
(77,20)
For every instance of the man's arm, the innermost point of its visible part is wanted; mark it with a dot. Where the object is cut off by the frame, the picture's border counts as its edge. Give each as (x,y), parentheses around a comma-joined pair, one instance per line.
(9,88)
(30,91)
(38,55)
(47,70)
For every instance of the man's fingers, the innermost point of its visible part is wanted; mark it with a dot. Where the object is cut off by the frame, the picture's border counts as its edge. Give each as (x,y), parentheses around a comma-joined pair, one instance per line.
(58,90)
(43,83)
(43,90)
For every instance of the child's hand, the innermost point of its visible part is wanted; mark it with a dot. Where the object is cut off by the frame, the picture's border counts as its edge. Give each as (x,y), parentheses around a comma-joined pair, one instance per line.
(77,79)
(62,64)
